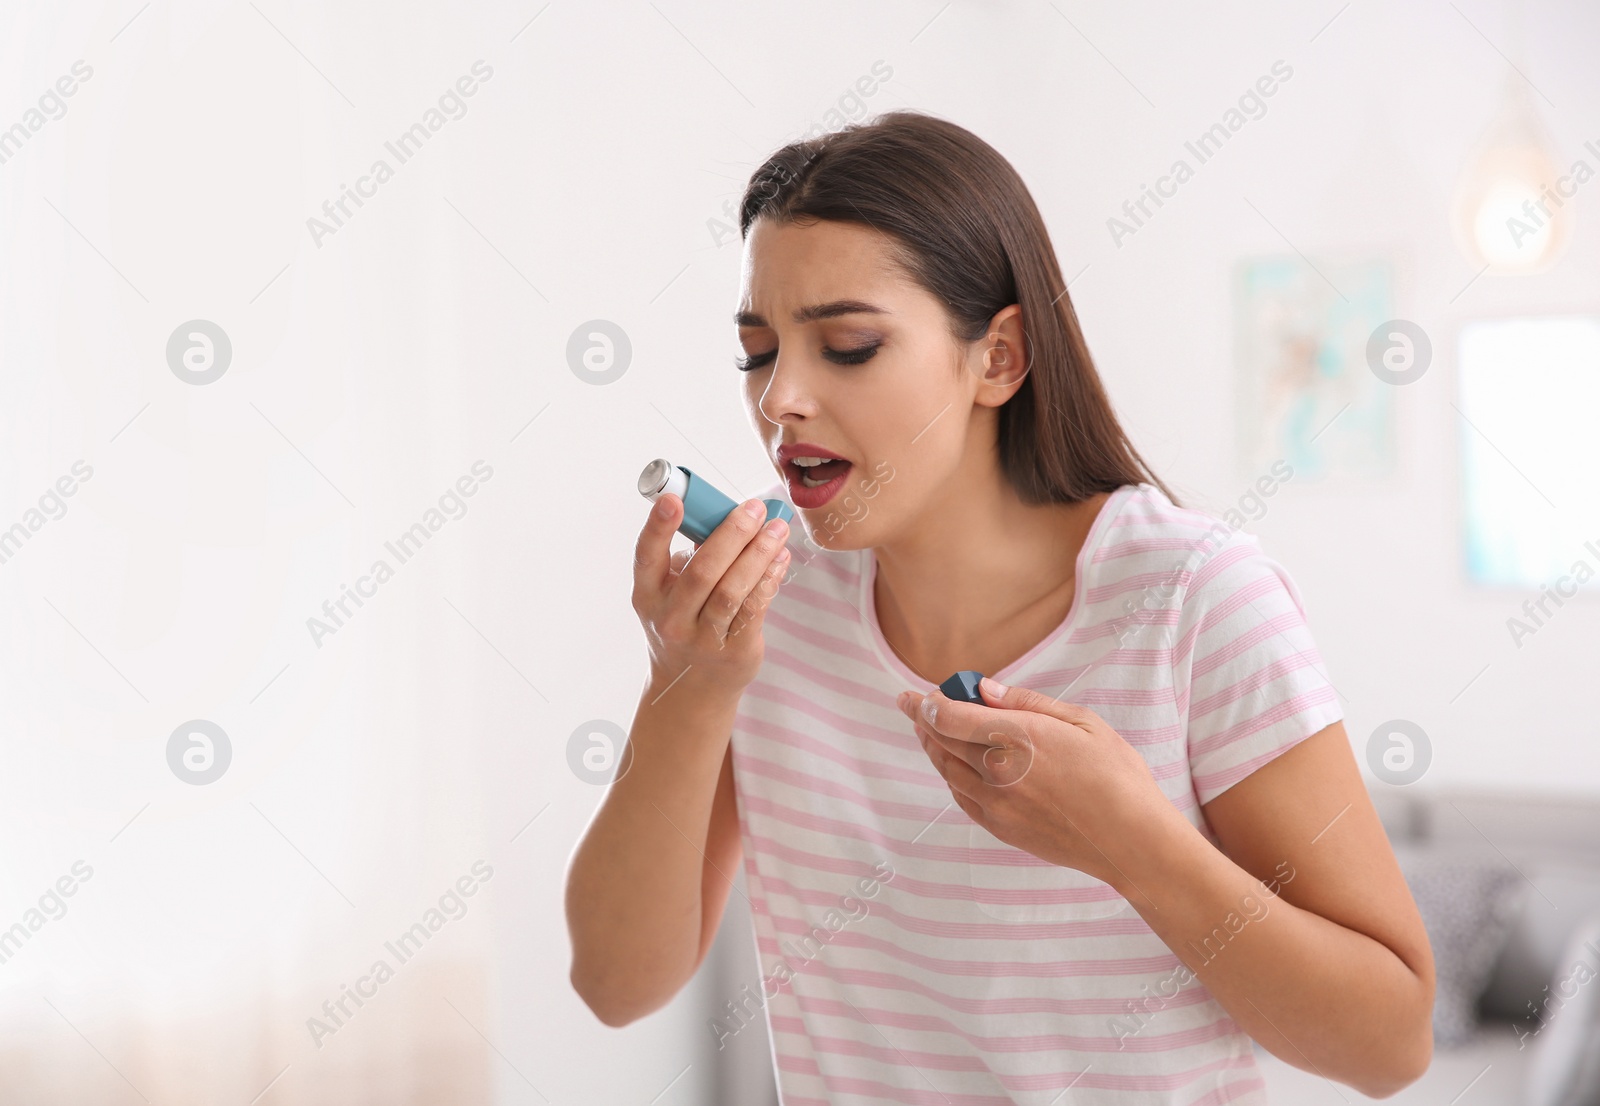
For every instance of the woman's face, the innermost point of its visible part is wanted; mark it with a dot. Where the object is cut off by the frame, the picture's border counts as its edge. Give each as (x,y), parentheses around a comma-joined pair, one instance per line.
(848,354)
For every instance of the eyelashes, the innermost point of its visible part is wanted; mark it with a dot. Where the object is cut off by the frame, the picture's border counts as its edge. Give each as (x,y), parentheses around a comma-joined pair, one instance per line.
(851,356)
(838,356)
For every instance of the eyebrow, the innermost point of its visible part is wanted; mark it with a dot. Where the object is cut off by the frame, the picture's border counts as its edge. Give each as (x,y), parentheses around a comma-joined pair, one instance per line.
(816,311)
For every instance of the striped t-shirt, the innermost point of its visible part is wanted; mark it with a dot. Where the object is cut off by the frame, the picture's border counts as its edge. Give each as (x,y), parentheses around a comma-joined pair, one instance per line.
(908,955)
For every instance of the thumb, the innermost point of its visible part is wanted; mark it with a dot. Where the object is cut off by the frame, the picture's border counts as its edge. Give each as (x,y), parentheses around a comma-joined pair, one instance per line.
(1025,698)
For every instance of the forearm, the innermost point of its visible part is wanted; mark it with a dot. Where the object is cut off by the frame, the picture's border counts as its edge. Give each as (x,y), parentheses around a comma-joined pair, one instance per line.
(1319,995)
(635,882)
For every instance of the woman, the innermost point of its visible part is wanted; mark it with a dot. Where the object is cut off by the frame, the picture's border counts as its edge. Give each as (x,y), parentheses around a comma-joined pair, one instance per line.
(1147,845)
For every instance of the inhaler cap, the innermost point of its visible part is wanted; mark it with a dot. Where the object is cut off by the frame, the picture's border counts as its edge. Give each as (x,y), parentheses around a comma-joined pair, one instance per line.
(963,686)
(655,476)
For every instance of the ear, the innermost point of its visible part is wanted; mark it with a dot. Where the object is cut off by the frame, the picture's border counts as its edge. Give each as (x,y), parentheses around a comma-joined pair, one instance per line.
(1001,357)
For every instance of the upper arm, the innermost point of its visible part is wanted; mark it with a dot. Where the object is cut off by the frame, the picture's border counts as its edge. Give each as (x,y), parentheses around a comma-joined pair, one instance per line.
(1272,766)
(1305,820)
(1250,678)
(724,853)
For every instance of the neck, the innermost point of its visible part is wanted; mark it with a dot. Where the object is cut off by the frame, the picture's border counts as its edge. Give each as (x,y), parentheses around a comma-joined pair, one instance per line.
(981,585)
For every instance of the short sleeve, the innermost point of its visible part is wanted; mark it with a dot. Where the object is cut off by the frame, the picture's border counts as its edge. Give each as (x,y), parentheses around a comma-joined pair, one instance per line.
(1250,682)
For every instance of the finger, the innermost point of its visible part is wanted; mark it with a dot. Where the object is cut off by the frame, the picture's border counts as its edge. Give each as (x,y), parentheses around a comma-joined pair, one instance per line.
(1025,698)
(1005,765)
(956,771)
(975,721)
(757,568)
(711,561)
(960,725)
(999,748)
(933,710)
(752,613)
(651,553)
(1001,752)
(915,707)
(968,752)
(910,704)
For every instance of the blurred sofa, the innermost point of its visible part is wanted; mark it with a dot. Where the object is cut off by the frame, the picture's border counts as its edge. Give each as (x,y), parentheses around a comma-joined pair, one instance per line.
(1509,888)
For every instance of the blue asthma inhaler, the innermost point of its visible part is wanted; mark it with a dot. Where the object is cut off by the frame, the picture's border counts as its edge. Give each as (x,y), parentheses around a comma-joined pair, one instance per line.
(963,687)
(704,507)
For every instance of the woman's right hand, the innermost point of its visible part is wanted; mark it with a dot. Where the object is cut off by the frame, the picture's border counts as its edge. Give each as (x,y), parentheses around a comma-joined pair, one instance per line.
(703,608)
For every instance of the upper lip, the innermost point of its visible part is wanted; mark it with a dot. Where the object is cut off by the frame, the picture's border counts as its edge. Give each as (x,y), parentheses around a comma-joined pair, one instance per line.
(789,452)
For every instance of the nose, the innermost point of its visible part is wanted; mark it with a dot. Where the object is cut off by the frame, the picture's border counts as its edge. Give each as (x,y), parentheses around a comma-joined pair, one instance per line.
(787,397)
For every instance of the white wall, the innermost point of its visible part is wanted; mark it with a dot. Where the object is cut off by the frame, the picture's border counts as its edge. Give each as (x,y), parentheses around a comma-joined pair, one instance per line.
(425,333)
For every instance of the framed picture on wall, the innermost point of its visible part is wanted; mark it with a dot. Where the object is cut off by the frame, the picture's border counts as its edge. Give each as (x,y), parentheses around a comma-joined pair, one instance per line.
(1306,394)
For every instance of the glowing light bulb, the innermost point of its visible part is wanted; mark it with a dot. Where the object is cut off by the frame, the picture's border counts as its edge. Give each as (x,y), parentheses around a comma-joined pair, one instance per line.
(1512,210)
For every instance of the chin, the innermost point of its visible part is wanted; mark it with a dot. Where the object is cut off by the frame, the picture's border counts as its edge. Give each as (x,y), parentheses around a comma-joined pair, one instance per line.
(838,539)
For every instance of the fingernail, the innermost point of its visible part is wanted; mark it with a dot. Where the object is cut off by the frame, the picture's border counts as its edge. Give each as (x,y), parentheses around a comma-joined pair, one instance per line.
(660,509)
(993,687)
(776,527)
(930,709)
(755,508)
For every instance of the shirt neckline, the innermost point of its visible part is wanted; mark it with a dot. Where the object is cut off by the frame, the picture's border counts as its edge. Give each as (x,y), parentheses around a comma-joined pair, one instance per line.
(868,573)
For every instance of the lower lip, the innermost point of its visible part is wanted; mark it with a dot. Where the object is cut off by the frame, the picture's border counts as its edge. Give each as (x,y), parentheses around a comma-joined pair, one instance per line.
(810,499)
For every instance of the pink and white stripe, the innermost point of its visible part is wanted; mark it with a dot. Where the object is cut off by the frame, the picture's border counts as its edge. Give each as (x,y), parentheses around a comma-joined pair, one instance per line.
(977,973)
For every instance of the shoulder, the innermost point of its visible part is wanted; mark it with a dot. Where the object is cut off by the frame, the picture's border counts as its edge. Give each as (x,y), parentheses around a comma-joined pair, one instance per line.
(1144,531)
(1193,560)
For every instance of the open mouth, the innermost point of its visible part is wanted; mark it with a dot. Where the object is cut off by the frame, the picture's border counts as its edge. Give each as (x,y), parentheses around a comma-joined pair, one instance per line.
(815,476)
(812,485)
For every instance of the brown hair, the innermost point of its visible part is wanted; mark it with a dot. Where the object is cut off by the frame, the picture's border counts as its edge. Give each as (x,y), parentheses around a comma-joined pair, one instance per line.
(965,227)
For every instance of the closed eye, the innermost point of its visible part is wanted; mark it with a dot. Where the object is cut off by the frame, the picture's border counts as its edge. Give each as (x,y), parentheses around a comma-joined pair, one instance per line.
(838,356)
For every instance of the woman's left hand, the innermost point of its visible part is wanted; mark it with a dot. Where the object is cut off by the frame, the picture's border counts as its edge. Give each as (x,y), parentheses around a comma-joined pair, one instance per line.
(1047,777)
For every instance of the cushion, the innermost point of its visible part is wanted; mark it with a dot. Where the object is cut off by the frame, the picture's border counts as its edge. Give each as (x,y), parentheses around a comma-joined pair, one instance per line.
(1468,903)
(1564,1056)
(1568,892)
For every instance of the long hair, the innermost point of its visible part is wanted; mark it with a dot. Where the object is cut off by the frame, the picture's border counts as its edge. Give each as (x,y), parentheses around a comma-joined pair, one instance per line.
(965,227)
